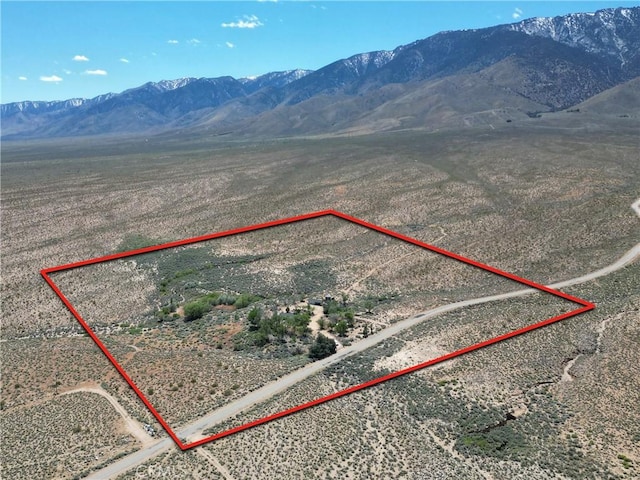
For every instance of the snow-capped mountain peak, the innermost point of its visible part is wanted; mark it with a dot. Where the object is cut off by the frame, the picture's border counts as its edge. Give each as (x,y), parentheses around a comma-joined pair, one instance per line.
(363,62)
(612,32)
(166,85)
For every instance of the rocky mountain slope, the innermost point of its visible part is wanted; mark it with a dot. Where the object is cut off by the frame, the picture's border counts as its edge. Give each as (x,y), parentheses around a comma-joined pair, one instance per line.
(539,64)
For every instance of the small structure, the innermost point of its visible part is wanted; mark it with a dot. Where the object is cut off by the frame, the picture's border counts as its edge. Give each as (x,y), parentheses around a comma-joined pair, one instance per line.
(149,429)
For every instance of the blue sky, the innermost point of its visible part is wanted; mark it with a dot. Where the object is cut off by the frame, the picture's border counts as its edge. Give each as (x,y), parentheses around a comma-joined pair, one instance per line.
(57,50)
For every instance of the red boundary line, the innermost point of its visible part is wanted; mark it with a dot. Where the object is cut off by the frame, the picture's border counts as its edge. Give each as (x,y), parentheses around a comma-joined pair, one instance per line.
(586,306)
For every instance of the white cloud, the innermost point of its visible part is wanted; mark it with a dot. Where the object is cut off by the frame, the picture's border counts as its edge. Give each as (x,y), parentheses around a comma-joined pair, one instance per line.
(96,72)
(80,58)
(124,60)
(67,72)
(194,41)
(229,44)
(248,21)
(52,78)
(173,42)
(517,13)
(22,78)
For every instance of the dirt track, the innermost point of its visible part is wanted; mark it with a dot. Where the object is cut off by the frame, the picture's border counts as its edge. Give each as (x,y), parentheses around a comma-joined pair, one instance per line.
(132,426)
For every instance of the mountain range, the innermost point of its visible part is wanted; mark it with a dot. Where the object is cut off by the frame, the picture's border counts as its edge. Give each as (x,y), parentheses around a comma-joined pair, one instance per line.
(453,78)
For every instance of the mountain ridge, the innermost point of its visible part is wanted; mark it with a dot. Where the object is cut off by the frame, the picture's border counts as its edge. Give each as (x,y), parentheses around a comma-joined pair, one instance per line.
(552,62)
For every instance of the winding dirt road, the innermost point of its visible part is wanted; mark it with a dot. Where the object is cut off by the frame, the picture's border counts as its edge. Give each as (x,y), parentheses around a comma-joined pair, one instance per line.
(194,430)
(132,426)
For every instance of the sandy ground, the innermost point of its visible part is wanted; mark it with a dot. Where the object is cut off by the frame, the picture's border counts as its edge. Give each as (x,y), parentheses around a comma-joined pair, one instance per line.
(414,353)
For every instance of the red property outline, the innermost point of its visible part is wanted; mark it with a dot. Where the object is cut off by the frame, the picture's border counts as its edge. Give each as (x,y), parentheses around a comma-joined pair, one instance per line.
(586,306)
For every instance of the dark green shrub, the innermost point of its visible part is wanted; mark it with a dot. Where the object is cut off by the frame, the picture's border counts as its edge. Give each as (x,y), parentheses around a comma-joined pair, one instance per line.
(245,299)
(322,347)
(196,309)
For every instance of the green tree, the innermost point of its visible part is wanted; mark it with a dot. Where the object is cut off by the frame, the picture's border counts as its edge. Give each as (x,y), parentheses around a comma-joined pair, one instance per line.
(345,297)
(254,317)
(322,347)
(348,315)
(341,328)
(196,309)
(368,305)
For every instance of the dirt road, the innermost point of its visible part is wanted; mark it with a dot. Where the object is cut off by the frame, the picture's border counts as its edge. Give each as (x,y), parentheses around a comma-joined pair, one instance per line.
(132,426)
(314,325)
